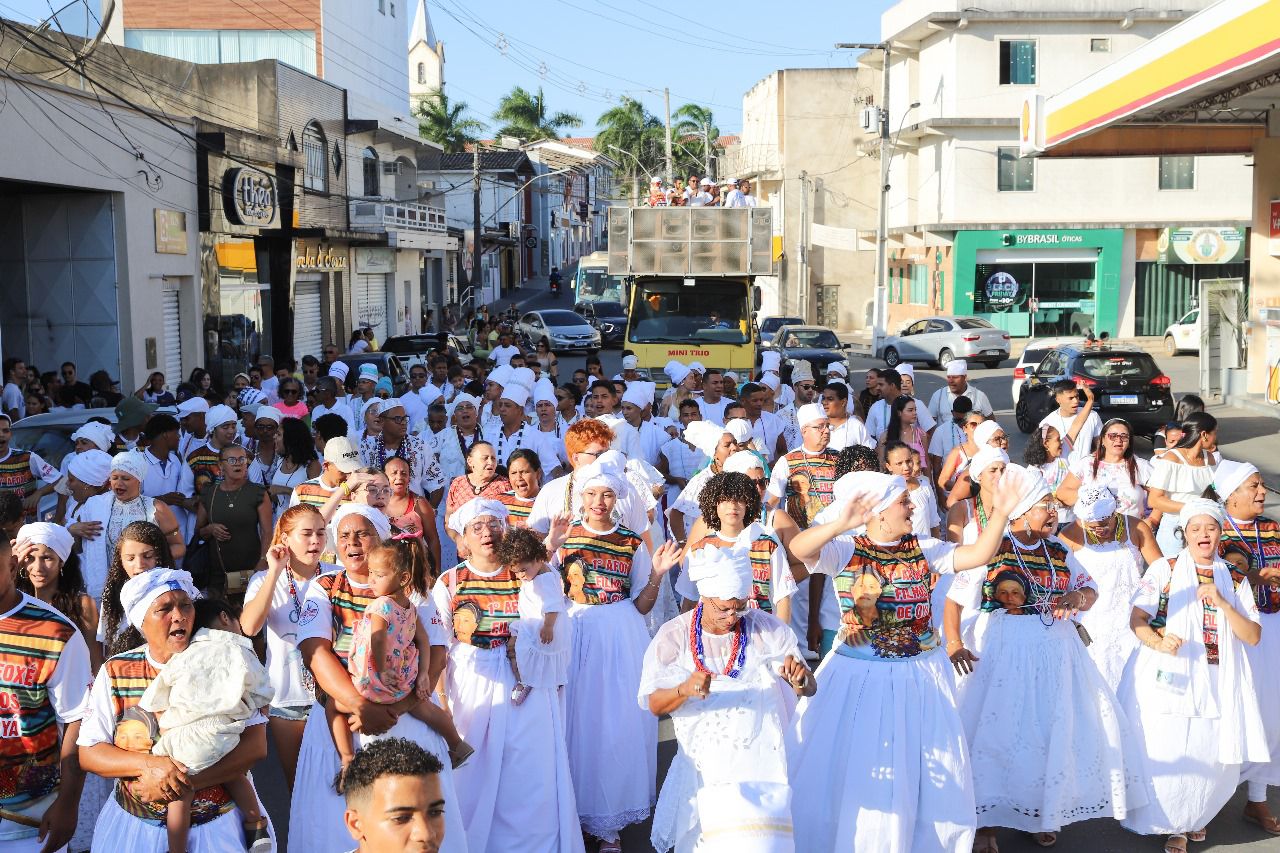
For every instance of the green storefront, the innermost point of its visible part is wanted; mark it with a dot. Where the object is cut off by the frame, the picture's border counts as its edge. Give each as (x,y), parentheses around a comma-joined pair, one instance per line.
(1043,282)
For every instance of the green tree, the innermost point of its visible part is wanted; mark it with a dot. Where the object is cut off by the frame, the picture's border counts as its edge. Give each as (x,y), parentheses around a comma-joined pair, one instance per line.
(691,154)
(445,123)
(633,138)
(524,115)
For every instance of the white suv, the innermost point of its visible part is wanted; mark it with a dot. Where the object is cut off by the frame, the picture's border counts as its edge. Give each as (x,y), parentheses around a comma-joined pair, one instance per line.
(1183,335)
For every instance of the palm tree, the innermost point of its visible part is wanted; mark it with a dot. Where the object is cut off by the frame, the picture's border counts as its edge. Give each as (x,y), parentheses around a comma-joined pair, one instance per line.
(524,115)
(446,124)
(689,122)
(630,128)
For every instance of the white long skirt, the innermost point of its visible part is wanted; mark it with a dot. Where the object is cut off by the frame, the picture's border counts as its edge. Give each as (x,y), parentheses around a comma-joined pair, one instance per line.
(613,742)
(1188,785)
(1049,743)
(1264,658)
(881,764)
(118,831)
(515,793)
(1116,570)
(317,808)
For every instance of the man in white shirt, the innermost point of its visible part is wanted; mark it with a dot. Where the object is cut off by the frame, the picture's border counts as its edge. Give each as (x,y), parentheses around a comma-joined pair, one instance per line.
(14,400)
(767,429)
(191,414)
(512,431)
(504,351)
(270,382)
(394,440)
(940,403)
(327,402)
(168,477)
(702,197)
(712,402)
(1067,395)
(890,390)
(741,195)
(846,429)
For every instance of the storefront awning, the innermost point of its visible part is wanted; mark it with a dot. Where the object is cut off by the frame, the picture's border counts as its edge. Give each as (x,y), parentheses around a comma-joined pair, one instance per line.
(1204,86)
(236,255)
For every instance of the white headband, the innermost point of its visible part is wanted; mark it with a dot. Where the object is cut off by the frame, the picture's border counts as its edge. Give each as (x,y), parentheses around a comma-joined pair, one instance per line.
(55,536)
(476,508)
(1200,506)
(131,462)
(142,589)
(373,515)
(1094,503)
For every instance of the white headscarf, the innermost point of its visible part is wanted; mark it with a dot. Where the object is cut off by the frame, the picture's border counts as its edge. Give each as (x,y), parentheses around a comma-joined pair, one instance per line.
(132,463)
(92,467)
(219,415)
(704,435)
(741,462)
(142,589)
(1029,484)
(1094,503)
(476,508)
(721,573)
(603,472)
(375,516)
(983,432)
(984,459)
(55,536)
(101,435)
(1230,475)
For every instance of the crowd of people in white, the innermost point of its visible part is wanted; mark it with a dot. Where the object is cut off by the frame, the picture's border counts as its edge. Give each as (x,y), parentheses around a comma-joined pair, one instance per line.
(870,629)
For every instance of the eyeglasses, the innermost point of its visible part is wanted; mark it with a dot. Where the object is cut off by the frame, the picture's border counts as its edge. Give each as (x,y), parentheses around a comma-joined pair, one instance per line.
(479,527)
(761,484)
(378,490)
(804,386)
(236,460)
(1117,436)
(396,419)
(1051,507)
(593,455)
(726,611)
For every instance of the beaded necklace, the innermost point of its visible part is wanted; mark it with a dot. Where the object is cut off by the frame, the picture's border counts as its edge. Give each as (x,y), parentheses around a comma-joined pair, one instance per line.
(404,451)
(1040,593)
(502,442)
(980,512)
(1117,536)
(737,652)
(462,444)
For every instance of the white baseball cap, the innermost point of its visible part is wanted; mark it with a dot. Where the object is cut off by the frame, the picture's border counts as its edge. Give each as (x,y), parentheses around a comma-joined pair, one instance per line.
(342,454)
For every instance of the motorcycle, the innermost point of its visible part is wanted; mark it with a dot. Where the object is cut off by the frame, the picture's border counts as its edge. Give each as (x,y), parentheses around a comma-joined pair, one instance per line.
(555,287)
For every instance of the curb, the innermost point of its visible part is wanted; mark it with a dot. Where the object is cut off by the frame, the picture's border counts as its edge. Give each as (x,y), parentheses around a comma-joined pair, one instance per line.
(1252,403)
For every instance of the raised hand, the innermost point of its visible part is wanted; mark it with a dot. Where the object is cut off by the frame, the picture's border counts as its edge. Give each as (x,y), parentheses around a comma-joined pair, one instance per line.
(666,558)
(277,557)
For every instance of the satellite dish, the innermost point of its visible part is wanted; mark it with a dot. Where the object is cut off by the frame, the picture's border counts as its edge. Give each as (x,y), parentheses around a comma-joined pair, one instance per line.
(70,34)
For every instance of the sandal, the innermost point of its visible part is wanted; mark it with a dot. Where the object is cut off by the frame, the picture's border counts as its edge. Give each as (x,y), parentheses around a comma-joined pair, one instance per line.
(1176,844)
(1268,822)
(1197,835)
(459,754)
(1045,839)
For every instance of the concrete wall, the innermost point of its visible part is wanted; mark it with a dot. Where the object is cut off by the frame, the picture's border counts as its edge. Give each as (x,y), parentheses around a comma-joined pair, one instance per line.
(364,53)
(91,157)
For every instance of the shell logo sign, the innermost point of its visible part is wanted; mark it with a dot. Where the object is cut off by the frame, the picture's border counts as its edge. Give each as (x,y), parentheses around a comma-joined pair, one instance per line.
(1030,127)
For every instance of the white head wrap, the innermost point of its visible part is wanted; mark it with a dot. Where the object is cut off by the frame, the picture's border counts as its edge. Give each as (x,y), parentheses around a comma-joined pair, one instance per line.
(1029,485)
(906,369)
(984,431)
(102,435)
(269,413)
(390,405)
(373,404)
(771,381)
(770,360)
(55,536)
(742,462)
(739,429)
(858,484)
(544,391)
(92,467)
(732,376)
(516,393)
(722,573)
(473,509)
(1094,503)
(191,406)
(676,372)
(639,394)
(630,362)
(1230,475)
(801,371)
(837,368)
(523,376)
(339,370)
(605,471)
(696,367)
(428,394)
(375,516)
(142,589)
(958,367)
(367,373)
(810,413)
(500,375)
(984,459)
(1200,506)
(132,463)
(463,398)
(704,435)
(219,415)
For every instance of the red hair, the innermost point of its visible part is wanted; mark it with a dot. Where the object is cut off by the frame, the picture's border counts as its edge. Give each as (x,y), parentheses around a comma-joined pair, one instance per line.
(584,433)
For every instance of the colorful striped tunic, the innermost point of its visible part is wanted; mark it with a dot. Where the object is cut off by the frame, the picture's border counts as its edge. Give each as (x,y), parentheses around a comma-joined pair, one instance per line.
(348,603)
(484,605)
(518,509)
(203,462)
(1209,626)
(601,561)
(21,472)
(32,640)
(130,674)
(903,626)
(820,468)
(1245,540)
(1044,567)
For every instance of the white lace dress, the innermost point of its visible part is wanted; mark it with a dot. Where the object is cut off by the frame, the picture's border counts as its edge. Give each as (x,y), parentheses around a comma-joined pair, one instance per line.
(732,745)
(1181,483)
(1116,568)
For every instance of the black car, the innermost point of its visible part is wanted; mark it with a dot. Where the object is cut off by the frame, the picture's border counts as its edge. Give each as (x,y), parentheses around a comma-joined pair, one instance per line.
(388,364)
(1126,383)
(609,317)
(817,345)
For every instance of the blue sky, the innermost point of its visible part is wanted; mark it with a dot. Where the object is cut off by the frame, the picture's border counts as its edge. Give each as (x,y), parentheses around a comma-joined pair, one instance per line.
(587,53)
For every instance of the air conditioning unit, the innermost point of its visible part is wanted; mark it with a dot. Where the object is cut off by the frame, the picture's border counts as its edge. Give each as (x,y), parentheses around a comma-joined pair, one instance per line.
(869,119)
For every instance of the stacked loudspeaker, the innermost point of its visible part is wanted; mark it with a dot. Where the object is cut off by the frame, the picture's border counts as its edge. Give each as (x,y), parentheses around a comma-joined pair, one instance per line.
(690,241)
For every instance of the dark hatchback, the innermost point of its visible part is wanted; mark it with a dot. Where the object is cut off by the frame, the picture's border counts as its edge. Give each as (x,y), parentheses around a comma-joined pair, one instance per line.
(609,317)
(1127,383)
(817,345)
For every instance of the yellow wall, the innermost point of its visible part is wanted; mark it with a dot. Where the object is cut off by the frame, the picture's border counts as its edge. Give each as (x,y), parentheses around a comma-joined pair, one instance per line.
(1264,269)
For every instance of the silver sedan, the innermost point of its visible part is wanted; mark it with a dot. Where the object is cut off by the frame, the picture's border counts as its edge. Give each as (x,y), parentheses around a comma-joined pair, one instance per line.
(940,340)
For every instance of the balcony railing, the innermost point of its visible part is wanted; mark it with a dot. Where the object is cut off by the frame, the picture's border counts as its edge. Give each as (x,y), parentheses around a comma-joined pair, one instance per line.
(378,214)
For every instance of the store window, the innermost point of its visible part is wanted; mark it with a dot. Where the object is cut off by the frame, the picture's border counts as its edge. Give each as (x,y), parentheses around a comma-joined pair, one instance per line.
(240,331)
(1017,62)
(1014,174)
(1062,294)
(315,168)
(1177,173)
(372,176)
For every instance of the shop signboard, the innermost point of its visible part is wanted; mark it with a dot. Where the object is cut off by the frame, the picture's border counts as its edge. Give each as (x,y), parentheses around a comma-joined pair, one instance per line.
(1002,291)
(1207,245)
(250,198)
(171,232)
(315,257)
(375,261)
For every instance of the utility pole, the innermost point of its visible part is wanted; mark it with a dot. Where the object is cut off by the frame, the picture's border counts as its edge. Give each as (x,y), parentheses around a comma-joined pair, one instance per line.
(802,249)
(706,150)
(666,98)
(476,247)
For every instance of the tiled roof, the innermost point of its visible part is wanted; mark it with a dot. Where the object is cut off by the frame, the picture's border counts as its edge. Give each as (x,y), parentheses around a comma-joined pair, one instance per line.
(490,161)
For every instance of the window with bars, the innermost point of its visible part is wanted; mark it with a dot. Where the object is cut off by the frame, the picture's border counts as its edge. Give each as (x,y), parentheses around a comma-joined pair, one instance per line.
(1014,174)
(315,170)
(372,178)
(1177,173)
(1017,62)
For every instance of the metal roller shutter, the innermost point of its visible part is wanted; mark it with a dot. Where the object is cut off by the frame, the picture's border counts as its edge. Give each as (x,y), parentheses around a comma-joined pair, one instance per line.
(172,338)
(307,327)
(371,304)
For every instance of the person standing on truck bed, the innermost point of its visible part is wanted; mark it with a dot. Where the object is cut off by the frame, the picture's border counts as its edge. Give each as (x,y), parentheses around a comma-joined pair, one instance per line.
(741,195)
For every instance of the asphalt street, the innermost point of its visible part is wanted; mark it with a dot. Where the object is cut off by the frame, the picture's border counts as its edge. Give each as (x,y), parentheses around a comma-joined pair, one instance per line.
(1242,435)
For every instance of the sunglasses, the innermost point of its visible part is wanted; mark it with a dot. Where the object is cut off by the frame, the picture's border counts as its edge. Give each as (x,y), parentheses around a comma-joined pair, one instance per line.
(1117,436)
